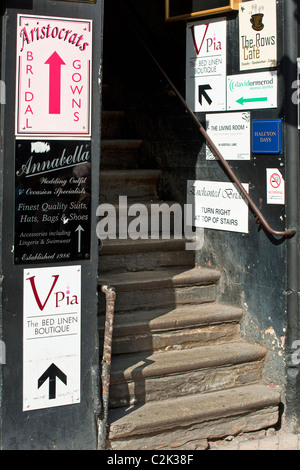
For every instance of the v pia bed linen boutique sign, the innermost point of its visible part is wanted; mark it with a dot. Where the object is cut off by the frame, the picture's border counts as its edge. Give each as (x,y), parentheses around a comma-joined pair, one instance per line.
(206,65)
(52,337)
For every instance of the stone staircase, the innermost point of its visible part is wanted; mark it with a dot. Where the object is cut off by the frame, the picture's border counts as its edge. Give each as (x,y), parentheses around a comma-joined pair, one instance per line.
(181,374)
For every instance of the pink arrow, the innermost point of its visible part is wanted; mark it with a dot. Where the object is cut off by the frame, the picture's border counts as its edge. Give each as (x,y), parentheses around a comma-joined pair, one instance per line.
(55,62)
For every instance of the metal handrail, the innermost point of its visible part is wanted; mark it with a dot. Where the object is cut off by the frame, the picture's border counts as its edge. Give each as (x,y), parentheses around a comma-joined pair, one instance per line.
(259,219)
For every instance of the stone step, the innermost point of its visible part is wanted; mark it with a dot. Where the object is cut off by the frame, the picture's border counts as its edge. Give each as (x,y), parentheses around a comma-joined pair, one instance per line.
(138,255)
(112,95)
(184,327)
(140,378)
(112,124)
(119,154)
(135,184)
(188,422)
(170,287)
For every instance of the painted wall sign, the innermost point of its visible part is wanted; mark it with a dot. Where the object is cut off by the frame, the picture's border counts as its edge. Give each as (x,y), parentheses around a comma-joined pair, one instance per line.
(258,34)
(206,65)
(266,136)
(52,201)
(252,91)
(53,86)
(218,205)
(52,337)
(231,134)
(275,187)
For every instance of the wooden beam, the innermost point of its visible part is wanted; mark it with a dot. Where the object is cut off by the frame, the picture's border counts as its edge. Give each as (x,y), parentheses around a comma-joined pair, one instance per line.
(232,5)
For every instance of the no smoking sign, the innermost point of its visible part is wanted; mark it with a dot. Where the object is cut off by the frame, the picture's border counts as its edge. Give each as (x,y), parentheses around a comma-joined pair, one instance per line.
(275,187)
(53,87)
(275,180)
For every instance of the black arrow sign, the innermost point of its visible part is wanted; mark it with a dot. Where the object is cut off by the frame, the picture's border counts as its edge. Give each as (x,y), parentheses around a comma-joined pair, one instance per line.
(203,93)
(51,373)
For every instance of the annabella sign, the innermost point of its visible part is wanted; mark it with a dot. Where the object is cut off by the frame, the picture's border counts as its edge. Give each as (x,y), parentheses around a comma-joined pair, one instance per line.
(53,86)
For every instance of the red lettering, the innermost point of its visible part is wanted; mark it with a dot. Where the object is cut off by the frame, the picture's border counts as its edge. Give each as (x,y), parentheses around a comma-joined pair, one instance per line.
(29,69)
(194,38)
(72,39)
(76,89)
(34,290)
(77,66)
(25,37)
(77,104)
(29,98)
(28,110)
(60,33)
(67,33)
(54,32)
(78,77)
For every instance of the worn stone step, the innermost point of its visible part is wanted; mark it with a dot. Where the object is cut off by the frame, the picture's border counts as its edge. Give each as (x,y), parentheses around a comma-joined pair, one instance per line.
(185,422)
(120,153)
(112,124)
(140,378)
(184,327)
(138,255)
(170,287)
(135,184)
(112,95)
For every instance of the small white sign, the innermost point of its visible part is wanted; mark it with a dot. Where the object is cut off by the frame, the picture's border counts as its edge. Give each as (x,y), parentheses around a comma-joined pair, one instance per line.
(275,187)
(231,134)
(218,205)
(206,65)
(258,34)
(53,83)
(51,337)
(252,91)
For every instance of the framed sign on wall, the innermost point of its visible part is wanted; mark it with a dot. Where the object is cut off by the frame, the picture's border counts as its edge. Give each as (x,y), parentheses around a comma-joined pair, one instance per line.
(187,9)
